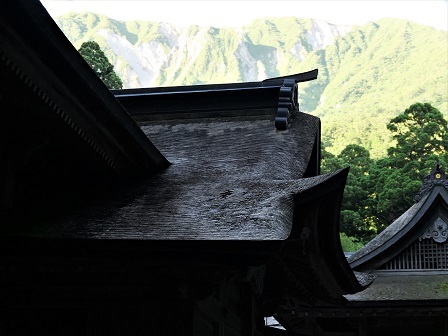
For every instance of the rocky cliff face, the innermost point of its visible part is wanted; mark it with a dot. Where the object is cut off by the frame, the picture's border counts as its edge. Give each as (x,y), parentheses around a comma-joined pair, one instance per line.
(164,56)
(367,74)
(138,65)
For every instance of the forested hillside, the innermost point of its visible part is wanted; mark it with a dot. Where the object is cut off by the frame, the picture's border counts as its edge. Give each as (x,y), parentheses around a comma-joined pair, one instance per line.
(379,191)
(367,74)
(375,73)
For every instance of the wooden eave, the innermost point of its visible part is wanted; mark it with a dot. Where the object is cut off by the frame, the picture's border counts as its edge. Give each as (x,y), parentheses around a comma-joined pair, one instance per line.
(300,266)
(330,262)
(65,138)
(312,254)
(270,97)
(35,50)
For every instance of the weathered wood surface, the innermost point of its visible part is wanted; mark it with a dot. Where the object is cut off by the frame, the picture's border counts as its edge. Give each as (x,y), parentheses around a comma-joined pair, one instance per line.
(227,180)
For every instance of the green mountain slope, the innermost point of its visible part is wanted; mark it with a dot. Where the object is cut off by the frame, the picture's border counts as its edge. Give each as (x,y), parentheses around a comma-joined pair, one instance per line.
(367,75)
(377,72)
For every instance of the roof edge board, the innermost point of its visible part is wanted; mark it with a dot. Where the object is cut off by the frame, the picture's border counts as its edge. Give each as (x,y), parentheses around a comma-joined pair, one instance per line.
(68,77)
(269,82)
(279,94)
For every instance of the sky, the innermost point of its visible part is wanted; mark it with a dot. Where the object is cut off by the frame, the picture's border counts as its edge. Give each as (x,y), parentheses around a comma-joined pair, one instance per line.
(234,13)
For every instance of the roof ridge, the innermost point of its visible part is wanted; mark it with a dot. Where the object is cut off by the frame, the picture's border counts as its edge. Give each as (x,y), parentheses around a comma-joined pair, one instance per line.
(436,177)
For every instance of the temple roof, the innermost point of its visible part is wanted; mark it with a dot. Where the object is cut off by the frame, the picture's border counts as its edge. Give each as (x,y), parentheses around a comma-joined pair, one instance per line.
(52,102)
(230,179)
(431,207)
(40,57)
(228,173)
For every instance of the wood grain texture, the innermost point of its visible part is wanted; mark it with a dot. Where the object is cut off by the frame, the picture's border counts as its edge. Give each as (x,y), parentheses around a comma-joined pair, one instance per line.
(228,180)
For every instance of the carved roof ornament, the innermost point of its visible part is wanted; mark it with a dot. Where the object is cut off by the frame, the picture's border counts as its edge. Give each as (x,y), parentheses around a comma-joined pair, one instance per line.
(438,231)
(287,102)
(288,95)
(436,177)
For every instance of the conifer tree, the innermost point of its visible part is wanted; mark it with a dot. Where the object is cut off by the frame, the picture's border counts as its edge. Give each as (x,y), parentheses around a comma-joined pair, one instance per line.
(421,135)
(99,62)
(378,191)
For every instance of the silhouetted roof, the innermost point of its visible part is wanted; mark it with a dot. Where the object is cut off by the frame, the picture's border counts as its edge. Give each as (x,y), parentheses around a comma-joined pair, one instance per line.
(61,126)
(244,180)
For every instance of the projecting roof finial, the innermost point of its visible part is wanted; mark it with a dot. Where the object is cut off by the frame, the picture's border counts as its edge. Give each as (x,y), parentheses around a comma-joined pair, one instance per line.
(436,177)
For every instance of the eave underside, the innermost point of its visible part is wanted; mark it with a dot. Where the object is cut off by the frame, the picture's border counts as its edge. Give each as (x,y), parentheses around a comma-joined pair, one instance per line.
(61,127)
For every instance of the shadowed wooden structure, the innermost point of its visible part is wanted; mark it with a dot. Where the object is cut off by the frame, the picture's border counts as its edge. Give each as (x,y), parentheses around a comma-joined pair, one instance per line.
(409,261)
(61,128)
(207,215)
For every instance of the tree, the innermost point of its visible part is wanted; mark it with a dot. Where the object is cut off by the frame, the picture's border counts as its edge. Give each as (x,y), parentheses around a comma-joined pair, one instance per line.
(419,132)
(98,61)
(377,192)
(421,135)
(356,219)
(356,215)
(349,244)
(329,162)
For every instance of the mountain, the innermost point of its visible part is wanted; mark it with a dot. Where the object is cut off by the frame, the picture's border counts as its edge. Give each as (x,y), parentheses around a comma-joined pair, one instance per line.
(367,74)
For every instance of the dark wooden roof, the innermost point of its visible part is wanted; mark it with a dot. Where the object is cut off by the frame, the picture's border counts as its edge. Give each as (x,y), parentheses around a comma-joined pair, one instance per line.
(228,180)
(274,97)
(52,102)
(431,206)
(243,186)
